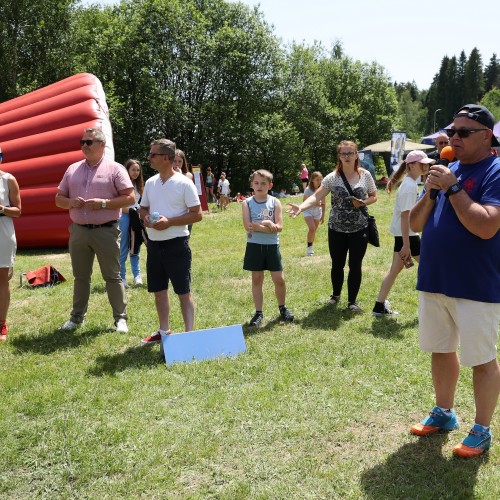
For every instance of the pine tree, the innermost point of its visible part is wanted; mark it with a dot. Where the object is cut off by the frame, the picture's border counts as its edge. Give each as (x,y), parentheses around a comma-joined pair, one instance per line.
(474,81)
(492,74)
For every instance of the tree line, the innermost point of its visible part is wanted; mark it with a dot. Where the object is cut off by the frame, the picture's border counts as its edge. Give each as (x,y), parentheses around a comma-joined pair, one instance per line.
(459,81)
(212,76)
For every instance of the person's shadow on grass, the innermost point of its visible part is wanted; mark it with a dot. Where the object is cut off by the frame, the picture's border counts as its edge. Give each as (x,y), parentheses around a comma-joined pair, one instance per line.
(248,330)
(56,340)
(392,327)
(328,317)
(419,470)
(133,357)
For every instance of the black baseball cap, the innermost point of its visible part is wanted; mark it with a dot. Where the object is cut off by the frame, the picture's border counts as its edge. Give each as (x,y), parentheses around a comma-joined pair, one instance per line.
(481,115)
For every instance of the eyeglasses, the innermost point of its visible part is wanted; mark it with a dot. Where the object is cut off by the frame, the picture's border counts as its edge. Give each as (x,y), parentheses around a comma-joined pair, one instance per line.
(152,155)
(442,143)
(462,132)
(88,142)
(349,154)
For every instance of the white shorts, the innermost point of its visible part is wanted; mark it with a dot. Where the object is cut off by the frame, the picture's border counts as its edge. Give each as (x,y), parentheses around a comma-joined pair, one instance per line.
(446,321)
(314,212)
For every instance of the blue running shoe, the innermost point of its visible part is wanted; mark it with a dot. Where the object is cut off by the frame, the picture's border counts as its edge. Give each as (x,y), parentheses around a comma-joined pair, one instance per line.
(437,420)
(477,442)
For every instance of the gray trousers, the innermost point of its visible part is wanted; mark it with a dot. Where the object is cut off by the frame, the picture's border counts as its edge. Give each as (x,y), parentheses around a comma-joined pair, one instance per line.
(84,245)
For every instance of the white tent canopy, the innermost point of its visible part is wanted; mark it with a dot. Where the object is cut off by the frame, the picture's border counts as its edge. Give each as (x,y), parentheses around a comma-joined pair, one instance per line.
(385,147)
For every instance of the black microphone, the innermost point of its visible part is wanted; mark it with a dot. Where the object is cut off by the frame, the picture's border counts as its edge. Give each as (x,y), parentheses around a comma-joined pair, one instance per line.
(446,156)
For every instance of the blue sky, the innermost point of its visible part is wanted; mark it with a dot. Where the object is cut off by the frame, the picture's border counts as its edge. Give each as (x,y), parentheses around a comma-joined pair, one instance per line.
(408,38)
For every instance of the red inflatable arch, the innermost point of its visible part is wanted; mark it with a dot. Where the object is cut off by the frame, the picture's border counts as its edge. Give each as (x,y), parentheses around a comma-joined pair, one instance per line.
(39,135)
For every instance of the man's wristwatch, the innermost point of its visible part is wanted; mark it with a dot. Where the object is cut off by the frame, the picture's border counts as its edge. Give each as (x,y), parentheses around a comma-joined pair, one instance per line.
(456,188)
(103,204)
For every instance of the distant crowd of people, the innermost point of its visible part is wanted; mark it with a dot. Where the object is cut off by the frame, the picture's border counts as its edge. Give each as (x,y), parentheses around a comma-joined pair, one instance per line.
(113,211)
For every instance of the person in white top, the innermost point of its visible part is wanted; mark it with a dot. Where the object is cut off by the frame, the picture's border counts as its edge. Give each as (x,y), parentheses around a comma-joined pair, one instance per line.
(169,203)
(314,215)
(223,191)
(406,241)
(10,207)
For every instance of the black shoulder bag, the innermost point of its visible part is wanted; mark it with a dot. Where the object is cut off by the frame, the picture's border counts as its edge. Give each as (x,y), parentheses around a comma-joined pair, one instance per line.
(373,237)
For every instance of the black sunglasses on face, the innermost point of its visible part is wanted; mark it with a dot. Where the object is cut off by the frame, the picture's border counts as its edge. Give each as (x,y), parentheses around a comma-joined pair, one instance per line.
(462,132)
(152,155)
(88,142)
(442,143)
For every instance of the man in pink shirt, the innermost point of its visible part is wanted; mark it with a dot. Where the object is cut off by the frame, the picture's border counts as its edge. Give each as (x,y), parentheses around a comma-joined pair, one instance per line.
(94,191)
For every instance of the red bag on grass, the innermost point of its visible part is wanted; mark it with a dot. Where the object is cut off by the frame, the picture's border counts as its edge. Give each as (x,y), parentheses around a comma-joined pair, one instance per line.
(45,276)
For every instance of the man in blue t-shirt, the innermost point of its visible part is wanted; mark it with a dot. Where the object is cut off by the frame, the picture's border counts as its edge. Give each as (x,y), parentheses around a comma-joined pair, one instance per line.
(459,276)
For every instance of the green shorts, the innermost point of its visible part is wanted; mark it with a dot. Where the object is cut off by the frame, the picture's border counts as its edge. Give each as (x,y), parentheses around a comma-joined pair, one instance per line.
(262,258)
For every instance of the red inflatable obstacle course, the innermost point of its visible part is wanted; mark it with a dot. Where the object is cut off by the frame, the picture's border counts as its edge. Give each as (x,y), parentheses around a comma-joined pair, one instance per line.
(40,136)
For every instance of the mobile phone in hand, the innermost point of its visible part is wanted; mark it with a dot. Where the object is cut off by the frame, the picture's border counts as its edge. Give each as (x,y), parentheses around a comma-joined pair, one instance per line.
(351,198)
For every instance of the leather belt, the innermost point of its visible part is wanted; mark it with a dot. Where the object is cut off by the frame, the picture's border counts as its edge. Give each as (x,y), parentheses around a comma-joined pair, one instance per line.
(111,223)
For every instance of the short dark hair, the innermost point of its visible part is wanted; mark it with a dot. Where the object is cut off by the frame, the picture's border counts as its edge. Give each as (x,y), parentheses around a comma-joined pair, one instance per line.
(167,147)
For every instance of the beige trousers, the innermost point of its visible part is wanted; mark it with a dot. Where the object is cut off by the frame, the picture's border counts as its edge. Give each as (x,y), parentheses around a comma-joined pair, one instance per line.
(84,245)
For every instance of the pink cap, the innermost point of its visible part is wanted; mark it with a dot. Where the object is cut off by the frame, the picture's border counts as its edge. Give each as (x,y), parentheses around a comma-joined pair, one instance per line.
(419,156)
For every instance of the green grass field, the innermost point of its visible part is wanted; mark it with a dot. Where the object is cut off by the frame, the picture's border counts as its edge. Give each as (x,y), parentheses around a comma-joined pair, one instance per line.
(316,409)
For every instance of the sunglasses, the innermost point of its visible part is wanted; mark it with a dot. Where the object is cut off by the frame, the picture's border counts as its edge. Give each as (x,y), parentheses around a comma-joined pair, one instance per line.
(462,132)
(88,142)
(152,155)
(442,143)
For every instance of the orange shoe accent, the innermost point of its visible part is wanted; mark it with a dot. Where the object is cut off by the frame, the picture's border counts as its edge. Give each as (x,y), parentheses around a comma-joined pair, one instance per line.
(423,430)
(466,451)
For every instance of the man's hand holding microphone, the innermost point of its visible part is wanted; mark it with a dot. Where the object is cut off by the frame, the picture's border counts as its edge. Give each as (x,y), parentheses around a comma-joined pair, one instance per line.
(440,176)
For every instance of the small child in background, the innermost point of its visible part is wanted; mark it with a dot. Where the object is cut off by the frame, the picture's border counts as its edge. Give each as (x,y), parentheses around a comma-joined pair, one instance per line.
(406,242)
(314,215)
(263,221)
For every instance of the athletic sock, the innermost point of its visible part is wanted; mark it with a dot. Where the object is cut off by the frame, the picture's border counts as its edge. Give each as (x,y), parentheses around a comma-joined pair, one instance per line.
(309,244)
(447,411)
(379,306)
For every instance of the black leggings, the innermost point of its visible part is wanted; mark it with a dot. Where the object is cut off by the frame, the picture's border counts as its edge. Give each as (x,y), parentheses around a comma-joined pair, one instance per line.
(339,244)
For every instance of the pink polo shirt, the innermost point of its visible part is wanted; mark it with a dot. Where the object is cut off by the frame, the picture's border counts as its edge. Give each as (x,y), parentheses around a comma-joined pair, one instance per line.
(103,180)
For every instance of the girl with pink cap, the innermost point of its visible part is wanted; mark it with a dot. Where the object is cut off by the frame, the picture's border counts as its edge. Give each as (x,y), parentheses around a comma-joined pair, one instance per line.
(406,242)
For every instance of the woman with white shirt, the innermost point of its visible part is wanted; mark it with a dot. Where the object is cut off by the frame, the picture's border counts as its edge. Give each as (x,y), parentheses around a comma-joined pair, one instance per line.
(406,242)
(10,207)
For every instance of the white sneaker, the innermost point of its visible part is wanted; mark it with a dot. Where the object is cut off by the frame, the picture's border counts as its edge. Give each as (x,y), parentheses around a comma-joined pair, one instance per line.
(310,251)
(125,284)
(138,280)
(121,326)
(69,326)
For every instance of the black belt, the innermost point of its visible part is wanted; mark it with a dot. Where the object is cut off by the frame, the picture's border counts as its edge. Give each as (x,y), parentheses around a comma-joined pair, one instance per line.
(111,223)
